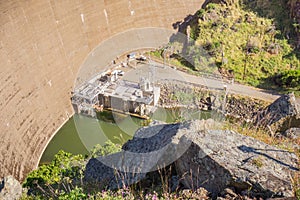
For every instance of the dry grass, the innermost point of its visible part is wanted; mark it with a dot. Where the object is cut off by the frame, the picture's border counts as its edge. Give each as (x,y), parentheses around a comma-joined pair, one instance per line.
(284,143)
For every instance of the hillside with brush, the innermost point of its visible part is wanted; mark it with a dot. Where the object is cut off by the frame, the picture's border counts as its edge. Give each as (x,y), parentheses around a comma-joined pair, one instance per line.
(255,40)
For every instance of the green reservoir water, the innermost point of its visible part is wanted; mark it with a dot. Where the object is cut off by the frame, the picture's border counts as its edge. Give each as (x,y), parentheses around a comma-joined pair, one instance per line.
(80,134)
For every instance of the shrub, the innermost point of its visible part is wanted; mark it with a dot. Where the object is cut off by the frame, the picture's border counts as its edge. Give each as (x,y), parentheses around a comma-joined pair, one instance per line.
(108,148)
(289,79)
(64,164)
(62,178)
(211,6)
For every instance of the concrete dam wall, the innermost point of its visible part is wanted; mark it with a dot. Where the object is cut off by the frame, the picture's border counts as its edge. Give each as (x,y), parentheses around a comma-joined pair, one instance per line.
(42,46)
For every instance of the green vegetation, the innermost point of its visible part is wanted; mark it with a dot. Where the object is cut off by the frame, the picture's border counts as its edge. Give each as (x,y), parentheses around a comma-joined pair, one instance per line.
(254,40)
(251,39)
(58,178)
(108,148)
(257,162)
(63,165)
(240,40)
(289,79)
(63,177)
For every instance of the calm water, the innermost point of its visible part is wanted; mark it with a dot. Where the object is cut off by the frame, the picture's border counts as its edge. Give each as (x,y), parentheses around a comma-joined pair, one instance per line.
(81,133)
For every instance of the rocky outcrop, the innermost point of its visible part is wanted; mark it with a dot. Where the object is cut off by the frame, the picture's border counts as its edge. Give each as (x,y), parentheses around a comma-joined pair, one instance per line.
(203,157)
(181,94)
(281,115)
(101,173)
(10,188)
(220,159)
(243,108)
(292,133)
(148,151)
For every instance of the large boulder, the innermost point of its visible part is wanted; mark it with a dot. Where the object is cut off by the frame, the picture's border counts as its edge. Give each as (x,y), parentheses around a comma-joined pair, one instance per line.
(148,151)
(281,115)
(10,188)
(220,159)
(101,173)
(203,157)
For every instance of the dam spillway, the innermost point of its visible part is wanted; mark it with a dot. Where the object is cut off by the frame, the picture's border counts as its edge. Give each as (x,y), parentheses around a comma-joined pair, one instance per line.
(42,46)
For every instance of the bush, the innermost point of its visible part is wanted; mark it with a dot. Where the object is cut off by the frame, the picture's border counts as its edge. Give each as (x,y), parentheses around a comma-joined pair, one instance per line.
(62,178)
(108,148)
(64,164)
(76,193)
(289,79)
(211,6)
(200,13)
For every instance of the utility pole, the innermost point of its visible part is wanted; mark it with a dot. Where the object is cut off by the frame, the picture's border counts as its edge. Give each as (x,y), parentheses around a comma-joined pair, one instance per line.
(223,54)
(244,74)
(246,58)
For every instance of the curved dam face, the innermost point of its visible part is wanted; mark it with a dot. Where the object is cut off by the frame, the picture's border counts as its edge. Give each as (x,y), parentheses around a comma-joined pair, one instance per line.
(42,46)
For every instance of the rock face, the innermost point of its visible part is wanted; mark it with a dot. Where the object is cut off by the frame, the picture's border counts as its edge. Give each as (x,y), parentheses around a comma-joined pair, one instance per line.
(147,151)
(242,108)
(104,176)
(281,115)
(180,94)
(220,159)
(205,157)
(10,188)
(292,133)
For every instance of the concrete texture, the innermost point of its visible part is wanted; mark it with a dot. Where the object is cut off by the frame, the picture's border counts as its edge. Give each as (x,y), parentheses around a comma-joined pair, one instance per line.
(42,46)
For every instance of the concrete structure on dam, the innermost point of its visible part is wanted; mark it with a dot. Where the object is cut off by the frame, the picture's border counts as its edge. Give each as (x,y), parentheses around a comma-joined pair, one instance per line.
(42,46)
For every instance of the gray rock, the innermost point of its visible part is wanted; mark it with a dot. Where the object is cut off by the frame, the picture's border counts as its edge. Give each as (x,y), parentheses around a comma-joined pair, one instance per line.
(281,115)
(244,109)
(292,133)
(102,174)
(204,157)
(10,188)
(220,159)
(148,151)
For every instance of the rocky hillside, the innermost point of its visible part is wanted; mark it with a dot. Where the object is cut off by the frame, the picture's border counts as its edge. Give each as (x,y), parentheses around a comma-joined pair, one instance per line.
(254,40)
(224,163)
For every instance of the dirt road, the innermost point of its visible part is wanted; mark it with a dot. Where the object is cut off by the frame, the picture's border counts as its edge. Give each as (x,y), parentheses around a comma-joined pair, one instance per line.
(159,71)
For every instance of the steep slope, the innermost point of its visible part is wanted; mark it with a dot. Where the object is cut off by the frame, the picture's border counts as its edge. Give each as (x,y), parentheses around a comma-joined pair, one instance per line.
(253,39)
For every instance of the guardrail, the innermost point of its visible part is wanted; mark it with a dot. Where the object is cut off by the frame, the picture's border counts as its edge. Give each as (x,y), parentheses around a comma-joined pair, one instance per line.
(202,74)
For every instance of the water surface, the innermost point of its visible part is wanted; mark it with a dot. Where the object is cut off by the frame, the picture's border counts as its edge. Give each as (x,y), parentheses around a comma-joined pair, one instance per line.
(81,133)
